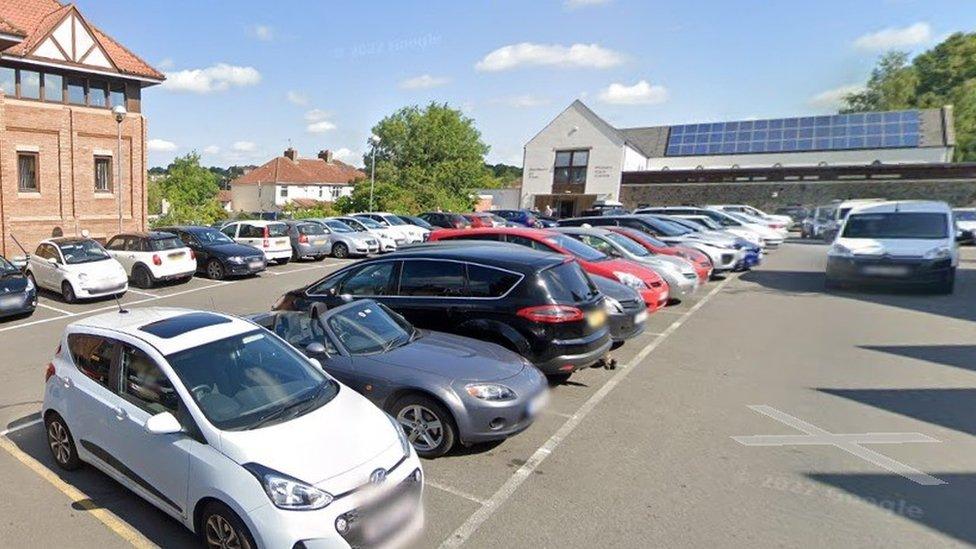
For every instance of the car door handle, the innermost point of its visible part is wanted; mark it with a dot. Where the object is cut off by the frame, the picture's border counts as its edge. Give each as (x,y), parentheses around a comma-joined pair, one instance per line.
(120,413)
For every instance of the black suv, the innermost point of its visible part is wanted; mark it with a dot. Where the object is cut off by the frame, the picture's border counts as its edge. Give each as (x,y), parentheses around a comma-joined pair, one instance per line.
(445,220)
(537,304)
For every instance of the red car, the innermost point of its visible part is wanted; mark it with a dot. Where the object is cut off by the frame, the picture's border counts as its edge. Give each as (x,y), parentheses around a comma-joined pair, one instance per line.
(653,289)
(701,262)
(480,220)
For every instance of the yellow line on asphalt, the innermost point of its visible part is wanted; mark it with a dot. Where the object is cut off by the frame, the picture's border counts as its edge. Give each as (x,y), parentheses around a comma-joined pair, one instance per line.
(78,498)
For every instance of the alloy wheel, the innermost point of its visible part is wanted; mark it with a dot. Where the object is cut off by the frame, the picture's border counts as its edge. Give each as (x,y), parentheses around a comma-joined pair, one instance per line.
(57,437)
(424,428)
(222,535)
(215,270)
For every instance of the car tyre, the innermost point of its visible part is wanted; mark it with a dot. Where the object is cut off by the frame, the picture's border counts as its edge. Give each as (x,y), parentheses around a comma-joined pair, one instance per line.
(68,292)
(429,426)
(61,442)
(215,270)
(220,527)
(283,261)
(141,277)
(340,251)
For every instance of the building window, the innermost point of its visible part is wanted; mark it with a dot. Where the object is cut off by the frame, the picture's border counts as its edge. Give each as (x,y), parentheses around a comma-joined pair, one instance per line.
(76,91)
(97,94)
(103,174)
(117,95)
(8,81)
(27,172)
(570,168)
(284,192)
(54,88)
(30,84)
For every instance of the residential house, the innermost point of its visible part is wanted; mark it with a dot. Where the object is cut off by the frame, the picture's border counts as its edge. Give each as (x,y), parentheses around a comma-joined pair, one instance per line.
(288,177)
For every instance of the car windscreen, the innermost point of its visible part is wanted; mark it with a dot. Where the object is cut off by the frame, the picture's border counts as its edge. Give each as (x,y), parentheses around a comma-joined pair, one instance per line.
(277,229)
(7,268)
(338,226)
(368,328)
(708,222)
(369,223)
(576,247)
(897,225)
(645,238)
(965,215)
(665,227)
(211,236)
(251,380)
(82,251)
(417,221)
(163,244)
(567,283)
(393,220)
(627,244)
(310,228)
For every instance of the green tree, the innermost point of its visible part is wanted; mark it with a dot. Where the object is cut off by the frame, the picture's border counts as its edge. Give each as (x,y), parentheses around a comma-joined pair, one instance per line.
(191,191)
(427,158)
(319,209)
(892,86)
(154,197)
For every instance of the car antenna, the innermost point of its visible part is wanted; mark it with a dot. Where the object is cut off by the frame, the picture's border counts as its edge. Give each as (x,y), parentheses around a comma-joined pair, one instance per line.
(122,310)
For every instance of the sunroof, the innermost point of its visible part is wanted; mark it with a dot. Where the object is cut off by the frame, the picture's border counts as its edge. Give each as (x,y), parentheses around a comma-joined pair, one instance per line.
(179,325)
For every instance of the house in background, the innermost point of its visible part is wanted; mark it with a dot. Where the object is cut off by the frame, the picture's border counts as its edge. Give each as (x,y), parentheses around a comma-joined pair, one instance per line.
(287,178)
(60,76)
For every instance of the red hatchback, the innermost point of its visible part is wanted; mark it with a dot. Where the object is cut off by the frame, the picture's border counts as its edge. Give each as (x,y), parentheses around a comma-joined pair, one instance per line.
(479,220)
(653,289)
(701,262)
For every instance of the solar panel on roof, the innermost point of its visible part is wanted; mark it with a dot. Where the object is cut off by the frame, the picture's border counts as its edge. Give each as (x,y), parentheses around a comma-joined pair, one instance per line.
(896,129)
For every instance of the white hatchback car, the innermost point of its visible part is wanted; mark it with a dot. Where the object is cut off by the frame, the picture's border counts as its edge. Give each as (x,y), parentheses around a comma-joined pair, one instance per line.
(231,431)
(271,237)
(153,257)
(412,233)
(77,268)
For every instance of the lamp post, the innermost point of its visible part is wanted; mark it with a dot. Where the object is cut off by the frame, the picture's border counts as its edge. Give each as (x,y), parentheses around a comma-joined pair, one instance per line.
(119,112)
(373,141)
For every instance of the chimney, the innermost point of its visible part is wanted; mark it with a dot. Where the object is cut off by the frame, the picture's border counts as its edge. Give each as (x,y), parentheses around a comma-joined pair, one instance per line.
(291,154)
(326,155)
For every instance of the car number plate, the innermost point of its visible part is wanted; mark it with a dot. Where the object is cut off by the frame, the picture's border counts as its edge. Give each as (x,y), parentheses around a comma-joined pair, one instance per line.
(319,242)
(254,264)
(10,300)
(176,255)
(886,270)
(596,318)
(640,317)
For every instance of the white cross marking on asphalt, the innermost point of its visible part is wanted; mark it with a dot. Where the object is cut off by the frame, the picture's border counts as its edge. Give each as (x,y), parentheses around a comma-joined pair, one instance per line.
(848,442)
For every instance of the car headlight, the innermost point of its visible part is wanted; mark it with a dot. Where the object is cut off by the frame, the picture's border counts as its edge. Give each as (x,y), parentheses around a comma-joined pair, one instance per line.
(83,277)
(628,279)
(612,305)
(287,492)
(840,250)
(941,252)
(401,434)
(236,259)
(490,391)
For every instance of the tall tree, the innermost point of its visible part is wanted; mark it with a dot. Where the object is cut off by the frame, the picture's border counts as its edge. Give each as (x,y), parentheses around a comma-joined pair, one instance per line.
(892,86)
(191,191)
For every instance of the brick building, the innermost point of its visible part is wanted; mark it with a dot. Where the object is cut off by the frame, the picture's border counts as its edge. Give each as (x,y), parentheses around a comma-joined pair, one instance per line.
(60,77)
(287,178)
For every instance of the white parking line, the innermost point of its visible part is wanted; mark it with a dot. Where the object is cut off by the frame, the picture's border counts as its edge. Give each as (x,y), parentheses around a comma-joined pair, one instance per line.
(62,311)
(13,430)
(141,292)
(454,491)
(506,491)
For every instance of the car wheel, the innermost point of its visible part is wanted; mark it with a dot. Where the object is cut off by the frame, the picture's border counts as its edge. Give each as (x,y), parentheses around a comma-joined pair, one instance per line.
(142,277)
(340,251)
(221,528)
(61,443)
(946,286)
(320,257)
(68,293)
(429,426)
(215,270)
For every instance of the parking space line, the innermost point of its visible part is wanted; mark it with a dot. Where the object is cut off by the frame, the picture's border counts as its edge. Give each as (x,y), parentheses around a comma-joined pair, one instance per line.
(78,498)
(471,525)
(25,425)
(140,292)
(55,309)
(454,491)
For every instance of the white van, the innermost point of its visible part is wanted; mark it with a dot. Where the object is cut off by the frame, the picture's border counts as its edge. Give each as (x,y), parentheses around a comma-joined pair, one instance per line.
(271,237)
(905,242)
(843,208)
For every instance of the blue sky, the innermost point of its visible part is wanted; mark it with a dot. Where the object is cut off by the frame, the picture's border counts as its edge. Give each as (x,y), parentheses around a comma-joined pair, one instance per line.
(247,78)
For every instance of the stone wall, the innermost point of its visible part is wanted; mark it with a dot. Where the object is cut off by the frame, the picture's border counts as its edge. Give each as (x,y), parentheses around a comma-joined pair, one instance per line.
(771,194)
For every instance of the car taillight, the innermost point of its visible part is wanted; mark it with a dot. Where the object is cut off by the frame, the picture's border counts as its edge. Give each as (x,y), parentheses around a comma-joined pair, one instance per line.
(551,314)
(303,239)
(267,243)
(157,260)
(49,373)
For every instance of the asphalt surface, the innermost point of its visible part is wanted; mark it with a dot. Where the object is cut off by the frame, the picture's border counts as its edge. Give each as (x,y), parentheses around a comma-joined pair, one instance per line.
(874,392)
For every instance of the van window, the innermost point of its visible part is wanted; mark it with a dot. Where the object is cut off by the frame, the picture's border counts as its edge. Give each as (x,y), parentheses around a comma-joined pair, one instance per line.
(898,225)
(92,355)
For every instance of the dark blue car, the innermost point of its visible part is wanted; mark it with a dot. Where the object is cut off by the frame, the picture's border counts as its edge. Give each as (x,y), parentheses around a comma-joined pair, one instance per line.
(18,295)
(520,217)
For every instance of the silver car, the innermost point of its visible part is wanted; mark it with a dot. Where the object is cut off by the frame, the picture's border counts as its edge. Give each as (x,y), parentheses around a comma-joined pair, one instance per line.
(345,241)
(678,272)
(308,239)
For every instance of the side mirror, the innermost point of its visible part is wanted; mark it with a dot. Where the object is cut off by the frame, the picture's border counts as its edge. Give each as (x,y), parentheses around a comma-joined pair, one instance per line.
(164,423)
(316,348)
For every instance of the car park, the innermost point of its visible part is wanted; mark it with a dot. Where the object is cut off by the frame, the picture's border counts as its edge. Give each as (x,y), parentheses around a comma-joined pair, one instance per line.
(796,213)
(537,304)
(839,214)
(733,227)
(153,257)
(774,221)
(966,224)
(76,268)
(444,389)
(445,220)
(308,239)
(18,294)
(818,221)
(698,259)
(773,235)
(901,242)
(271,237)
(346,241)
(229,430)
(753,248)
(653,289)
(480,220)
(410,232)
(388,240)
(525,218)
(216,254)
(626,311)
(417,222)
(677,272)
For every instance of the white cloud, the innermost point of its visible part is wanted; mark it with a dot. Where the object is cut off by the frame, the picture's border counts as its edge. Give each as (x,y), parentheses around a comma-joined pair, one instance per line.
(316,115)
(216,78)
(165,63)
(297,98)
(894,37)
(522,101)
(160,145)
(573,4)
(834,98)
(640,93)
(211,149)
(263,33)
(345,154)
(527,54)
(423,82)
(321,126)
(244,146)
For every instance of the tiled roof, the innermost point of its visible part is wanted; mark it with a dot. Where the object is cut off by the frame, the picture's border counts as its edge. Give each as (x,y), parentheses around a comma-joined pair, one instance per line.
(302,171)
(37,18)
(6,27)
(224,195)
